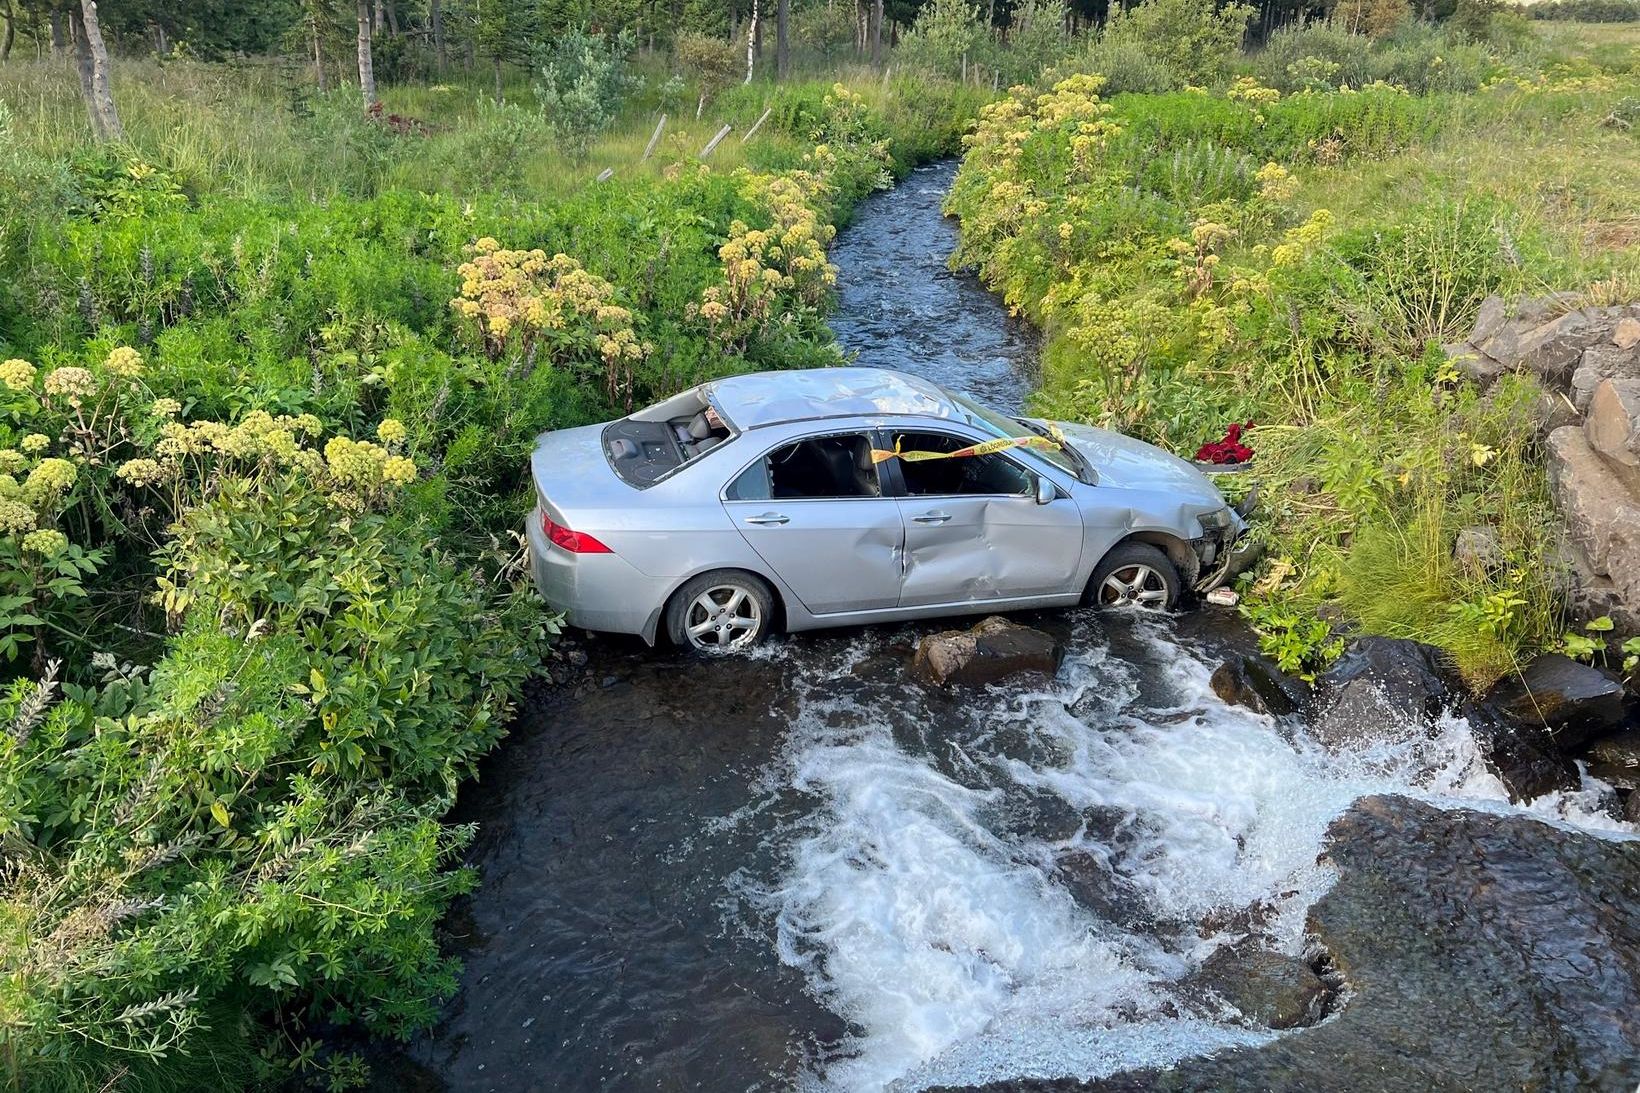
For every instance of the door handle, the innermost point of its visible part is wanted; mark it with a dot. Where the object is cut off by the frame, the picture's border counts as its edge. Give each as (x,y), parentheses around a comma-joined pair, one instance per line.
(935,517)
(769,518)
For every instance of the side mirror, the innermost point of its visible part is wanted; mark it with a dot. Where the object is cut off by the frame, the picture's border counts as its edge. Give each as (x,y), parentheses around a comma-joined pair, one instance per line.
(1045,491)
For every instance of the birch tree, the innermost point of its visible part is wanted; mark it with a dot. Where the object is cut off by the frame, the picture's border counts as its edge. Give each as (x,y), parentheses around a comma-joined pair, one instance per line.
(95,84)
(367,66)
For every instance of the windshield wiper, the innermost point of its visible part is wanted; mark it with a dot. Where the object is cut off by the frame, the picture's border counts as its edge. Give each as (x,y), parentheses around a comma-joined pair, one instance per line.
(1084,469)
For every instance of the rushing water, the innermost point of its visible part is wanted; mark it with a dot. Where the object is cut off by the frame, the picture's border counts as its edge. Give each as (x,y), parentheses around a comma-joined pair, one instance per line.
(797,870)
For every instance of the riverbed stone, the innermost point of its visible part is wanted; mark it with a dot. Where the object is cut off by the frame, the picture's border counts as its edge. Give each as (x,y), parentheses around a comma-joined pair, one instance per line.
(1266,987)
(993,649)
(1478,951)
(1575,702)
(1380,686)
(1521,755)
(1255,682)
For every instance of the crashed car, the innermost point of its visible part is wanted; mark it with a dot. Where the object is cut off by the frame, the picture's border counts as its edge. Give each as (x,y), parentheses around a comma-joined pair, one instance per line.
(839,496)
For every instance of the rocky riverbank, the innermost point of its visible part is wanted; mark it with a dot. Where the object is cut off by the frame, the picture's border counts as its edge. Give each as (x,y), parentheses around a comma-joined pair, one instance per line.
(1588,361)
(1478,951)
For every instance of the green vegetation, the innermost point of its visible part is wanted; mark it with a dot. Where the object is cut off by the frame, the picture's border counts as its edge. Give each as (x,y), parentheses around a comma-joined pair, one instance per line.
(272,369)
(1295,255)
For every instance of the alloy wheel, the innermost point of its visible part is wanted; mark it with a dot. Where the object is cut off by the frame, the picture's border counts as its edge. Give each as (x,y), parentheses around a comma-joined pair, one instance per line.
(1134,585)
(723,618)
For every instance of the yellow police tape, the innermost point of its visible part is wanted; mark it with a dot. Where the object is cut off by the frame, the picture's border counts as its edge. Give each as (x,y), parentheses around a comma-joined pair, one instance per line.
(987,447)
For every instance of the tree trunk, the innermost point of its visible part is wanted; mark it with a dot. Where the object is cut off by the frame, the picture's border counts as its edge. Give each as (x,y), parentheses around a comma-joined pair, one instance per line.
(495,66)
(751,44)
(876,31)
(318,53)
(94,56)
(378,21)
(58,39)
(782,45)
(435,17)
(392,18)
(367,65)
(83,65)
(8,37)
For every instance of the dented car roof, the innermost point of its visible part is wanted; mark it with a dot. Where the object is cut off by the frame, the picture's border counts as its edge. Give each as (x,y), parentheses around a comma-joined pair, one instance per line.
(773,398)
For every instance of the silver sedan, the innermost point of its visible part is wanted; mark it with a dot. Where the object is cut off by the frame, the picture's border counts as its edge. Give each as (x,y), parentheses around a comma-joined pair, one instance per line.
(831,497)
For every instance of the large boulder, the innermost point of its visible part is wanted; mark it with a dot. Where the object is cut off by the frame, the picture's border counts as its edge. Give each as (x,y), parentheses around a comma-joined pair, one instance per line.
(1602,518)
(1574,702)
(993,649)
(1379,685)
(1553,349)
(1256,682)
(1613,428)
(1268,988)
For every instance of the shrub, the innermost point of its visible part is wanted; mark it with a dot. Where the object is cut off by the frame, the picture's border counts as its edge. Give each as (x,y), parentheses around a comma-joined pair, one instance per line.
(946,35)
(1196,39)
(582,81)
(711,62)
(1124,66)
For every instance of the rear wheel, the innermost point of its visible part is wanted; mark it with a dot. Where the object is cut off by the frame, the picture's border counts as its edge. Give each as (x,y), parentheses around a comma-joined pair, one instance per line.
(1135,575)
(720,612)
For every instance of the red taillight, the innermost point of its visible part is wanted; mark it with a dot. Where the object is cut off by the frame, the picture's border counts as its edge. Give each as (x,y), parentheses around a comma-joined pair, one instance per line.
(576,542)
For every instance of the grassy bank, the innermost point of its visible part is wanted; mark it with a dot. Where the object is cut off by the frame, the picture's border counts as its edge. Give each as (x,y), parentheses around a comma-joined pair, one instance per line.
(1293,257)
(271,372)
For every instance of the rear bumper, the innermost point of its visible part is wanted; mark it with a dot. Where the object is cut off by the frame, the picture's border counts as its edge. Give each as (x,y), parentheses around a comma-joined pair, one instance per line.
(595,591)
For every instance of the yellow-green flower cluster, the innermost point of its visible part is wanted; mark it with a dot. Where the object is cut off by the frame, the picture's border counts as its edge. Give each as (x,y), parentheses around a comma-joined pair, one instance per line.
(15,516)
(141,472)
(391,431)
(1247,89)
(1276,183)
(71,383)
(1299,241)
(124,362)
(361,465)
(46,542)
(522,295)
(165,408)
(48,481)
(17,375)
(35,443)
(12,461)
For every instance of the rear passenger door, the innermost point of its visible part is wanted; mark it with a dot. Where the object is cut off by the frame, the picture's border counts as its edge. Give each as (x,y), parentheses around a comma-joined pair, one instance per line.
(974,530)
(813,509)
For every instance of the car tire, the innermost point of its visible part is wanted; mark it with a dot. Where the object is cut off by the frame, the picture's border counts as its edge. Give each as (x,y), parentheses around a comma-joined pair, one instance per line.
(1135,575)
(721,611)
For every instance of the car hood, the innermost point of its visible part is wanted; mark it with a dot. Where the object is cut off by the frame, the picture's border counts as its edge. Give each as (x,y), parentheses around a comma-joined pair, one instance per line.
(1126,463)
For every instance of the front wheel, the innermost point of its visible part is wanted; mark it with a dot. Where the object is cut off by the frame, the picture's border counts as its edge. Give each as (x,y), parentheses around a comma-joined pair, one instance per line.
(1135,575)
(720,612)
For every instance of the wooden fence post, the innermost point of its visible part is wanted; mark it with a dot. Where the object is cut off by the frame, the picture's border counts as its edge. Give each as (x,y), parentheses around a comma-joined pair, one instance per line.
(649,149)
(758,125)
(715,141)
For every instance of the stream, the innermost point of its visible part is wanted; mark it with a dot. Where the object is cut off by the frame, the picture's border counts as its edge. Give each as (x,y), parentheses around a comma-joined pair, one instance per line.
(797,870)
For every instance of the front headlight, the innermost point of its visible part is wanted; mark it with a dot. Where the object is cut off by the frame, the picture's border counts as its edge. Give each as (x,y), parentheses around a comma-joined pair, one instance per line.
(1216,520)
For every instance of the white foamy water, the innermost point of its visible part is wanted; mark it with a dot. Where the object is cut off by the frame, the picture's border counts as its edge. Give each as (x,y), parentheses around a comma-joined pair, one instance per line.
(947,938)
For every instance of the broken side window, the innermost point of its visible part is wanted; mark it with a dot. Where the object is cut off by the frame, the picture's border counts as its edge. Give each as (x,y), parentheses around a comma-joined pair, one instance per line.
(969,474)
(818,467)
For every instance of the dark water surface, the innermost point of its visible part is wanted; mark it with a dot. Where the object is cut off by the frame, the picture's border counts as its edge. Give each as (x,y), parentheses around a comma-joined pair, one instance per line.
(799,870)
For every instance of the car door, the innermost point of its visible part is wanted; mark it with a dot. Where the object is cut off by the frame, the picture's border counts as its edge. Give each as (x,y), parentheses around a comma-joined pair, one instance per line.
(813,508)
(974,529)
